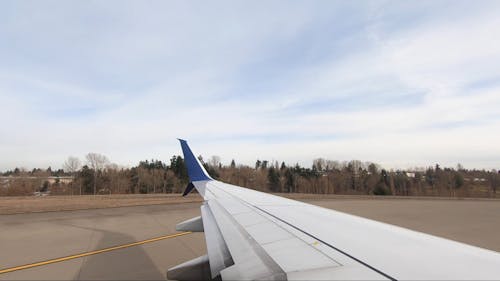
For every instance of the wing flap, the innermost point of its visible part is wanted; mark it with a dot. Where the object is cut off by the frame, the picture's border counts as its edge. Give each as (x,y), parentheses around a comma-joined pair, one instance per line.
(250,260)
(193,225)
(218,253)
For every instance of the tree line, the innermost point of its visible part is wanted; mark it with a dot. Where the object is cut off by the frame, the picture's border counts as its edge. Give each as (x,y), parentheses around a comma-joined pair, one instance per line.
(97,175)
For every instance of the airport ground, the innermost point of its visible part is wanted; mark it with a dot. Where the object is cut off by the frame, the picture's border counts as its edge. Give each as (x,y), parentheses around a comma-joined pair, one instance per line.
(45,234)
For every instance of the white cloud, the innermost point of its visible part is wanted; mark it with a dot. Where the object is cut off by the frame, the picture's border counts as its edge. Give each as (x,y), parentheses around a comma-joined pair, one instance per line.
(149,77)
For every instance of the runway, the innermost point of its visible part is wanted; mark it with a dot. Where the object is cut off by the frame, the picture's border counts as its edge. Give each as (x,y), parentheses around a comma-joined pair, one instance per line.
(140,243)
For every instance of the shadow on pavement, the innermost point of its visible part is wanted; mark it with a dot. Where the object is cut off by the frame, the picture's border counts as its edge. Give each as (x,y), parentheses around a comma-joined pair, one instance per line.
(131,263)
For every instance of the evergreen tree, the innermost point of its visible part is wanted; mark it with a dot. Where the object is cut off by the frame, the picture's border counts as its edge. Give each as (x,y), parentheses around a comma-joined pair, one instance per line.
(179,168)
(458,180)
(289,180)
(283,166)
(87,177)
(273,178)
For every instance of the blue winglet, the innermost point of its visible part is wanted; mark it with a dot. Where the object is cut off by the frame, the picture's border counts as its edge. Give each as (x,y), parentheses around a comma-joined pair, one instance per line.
(196,172)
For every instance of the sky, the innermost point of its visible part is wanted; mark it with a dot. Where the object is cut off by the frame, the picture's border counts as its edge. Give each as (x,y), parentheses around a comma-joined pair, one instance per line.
(400,83)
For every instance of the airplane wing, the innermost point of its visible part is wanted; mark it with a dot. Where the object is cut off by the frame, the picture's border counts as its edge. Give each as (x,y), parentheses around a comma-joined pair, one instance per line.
(252,235)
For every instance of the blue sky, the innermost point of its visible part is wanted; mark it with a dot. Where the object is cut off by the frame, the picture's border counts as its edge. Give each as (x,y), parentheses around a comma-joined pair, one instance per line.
(400,83)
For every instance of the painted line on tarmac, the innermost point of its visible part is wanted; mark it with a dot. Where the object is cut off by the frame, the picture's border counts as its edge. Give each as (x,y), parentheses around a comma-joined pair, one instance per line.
(85,254)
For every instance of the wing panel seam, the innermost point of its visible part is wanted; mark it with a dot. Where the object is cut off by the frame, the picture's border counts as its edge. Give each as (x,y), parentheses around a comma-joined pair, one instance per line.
(328,244)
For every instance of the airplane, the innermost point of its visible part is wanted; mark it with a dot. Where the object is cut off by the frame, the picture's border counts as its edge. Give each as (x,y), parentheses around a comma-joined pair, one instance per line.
(251,235)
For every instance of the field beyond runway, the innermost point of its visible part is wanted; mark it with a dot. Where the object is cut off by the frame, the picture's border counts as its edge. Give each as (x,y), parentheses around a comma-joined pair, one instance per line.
(29,238)
(32,204)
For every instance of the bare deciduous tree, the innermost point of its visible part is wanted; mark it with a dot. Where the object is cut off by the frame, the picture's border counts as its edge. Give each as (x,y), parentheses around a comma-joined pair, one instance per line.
(72,165)
(319,164)
(214,161)
(96,162)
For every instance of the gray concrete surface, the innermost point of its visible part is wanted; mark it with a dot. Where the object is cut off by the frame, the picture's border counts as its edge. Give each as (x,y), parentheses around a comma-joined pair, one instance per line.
(29,238)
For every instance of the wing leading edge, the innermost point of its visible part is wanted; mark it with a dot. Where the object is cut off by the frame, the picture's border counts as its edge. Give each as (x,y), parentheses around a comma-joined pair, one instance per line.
(252,235)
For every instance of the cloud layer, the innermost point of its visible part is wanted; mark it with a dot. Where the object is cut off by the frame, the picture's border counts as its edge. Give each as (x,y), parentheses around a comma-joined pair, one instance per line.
(403,84)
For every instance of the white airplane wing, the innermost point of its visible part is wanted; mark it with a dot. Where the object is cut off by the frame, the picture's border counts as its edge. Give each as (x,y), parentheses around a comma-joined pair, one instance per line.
(252,235)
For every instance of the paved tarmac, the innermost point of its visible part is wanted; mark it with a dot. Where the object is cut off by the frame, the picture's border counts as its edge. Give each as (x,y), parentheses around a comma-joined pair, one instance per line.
(36,237)
(30,238)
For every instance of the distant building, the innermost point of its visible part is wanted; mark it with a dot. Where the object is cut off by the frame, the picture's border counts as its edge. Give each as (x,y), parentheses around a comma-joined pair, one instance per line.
(65,180)
(5,182)
(410,174)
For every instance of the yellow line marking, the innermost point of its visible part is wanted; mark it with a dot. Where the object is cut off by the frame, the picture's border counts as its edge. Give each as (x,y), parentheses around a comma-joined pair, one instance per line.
(26,266)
